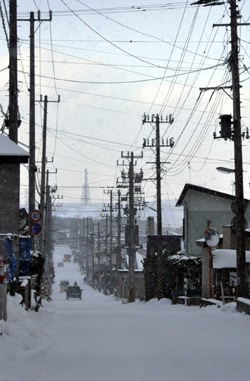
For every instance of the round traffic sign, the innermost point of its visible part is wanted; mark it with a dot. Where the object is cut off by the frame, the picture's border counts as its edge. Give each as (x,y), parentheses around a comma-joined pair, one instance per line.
(35,228)
(35,215)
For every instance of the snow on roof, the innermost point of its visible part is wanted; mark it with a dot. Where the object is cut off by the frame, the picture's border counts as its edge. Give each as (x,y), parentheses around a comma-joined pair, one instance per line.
(226,258)
(9,148)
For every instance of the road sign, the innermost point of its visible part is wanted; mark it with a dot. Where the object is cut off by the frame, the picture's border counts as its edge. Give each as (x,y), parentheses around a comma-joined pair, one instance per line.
(35,215)
(35,228)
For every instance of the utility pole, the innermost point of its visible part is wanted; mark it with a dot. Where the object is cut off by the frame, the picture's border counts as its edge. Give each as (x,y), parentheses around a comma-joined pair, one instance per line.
(106,255)
(83,260)
(119,259)
(110,239)
(242,289)
(11,170)
(132,249)
(157,145)
(42,196)
(32,142)
(131,238)
(236,135)
(46,231)
(98,253)
(111,243)
(93,254)
(87,252)
(13,90)
(46,234)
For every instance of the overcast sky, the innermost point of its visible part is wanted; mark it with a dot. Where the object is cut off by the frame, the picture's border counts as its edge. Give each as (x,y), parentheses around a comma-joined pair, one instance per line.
(112,63)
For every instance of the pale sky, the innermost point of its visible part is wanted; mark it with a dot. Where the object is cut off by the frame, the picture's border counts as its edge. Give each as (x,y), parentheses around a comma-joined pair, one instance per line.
(111,61)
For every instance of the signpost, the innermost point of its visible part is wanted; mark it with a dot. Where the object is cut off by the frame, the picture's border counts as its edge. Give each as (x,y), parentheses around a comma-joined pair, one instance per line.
(35,215)
(35,228)
(212,238)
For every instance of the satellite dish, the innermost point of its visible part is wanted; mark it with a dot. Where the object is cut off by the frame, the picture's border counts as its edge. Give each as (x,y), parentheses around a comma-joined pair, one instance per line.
(212,237)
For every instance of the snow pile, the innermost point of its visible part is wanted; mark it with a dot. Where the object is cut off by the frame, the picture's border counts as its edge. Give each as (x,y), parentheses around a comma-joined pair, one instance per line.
(24,341)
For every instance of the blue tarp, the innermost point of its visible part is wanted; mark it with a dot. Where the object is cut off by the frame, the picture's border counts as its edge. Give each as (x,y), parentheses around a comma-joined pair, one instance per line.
(24,256)
(11,261)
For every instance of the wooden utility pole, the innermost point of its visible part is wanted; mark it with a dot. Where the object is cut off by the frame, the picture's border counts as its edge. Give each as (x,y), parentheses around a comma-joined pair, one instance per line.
(131,245)
(111,242)
(32,142)
(83,250)
(87,252)
(132,249)
(42,195)
(157,144)
(98,253)
(12,170)
(93,255)
(242,287)
(119,255)
(106,255)
(13,80)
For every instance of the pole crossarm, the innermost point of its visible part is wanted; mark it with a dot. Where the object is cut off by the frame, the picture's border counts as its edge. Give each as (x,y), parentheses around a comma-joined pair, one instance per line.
(38,17)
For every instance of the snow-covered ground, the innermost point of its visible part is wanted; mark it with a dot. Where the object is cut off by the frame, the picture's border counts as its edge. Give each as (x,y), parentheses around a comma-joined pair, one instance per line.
(100,339)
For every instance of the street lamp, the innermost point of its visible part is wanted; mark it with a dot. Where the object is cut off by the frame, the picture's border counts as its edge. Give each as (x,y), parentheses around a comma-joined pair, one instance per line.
(225,170)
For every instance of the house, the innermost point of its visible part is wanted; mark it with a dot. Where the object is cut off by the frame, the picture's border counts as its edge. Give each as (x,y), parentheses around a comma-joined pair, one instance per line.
(204,207)
(11,156)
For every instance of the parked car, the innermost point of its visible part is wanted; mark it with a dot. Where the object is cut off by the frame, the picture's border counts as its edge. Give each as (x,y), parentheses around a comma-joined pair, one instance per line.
(74,292)
(67,258)
(60,264)
(64,284)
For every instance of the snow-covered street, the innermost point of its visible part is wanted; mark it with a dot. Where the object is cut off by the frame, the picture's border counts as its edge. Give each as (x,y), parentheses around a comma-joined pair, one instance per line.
(99,338)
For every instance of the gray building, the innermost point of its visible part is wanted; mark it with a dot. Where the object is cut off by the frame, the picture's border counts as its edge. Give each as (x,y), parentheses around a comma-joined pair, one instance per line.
(203,206)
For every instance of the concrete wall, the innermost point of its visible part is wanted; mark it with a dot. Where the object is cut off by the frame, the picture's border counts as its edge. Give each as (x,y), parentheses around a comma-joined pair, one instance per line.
(123,284)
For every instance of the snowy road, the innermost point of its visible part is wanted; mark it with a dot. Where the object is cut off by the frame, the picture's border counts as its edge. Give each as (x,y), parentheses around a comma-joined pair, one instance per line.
(98,338)
(101,339)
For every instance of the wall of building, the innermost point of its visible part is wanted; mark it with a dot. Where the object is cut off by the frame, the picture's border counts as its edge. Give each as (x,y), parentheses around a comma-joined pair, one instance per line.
(199,208)
(9,204)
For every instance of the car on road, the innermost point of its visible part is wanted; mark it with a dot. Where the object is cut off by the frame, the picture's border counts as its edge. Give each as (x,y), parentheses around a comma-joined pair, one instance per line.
(64,284)
(60,264)
(74,292)
(67,258)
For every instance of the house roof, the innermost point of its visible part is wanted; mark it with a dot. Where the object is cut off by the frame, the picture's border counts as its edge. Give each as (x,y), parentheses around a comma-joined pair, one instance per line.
(202,190)
(11,152)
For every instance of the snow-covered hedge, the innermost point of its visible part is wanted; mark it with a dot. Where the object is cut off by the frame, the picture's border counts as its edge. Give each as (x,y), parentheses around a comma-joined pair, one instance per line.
(174,269)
